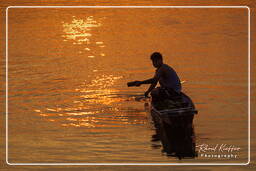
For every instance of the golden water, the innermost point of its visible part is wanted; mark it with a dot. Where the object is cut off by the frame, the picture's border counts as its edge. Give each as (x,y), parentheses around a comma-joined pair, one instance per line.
(68,69)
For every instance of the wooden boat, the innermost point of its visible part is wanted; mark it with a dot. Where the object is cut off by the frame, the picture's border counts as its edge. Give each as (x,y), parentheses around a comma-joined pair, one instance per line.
(181,115)
(175,128)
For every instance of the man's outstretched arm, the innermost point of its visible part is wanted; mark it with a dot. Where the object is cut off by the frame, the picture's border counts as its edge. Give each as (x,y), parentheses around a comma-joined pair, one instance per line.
(152,86)
(148,81)
(153,81)
(138,83)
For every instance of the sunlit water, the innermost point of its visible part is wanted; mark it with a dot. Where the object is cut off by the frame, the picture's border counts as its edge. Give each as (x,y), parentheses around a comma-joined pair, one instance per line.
(68,69)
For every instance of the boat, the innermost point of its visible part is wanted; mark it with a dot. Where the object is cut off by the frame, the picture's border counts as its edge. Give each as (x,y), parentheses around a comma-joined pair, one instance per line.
(174,127)
(183,114)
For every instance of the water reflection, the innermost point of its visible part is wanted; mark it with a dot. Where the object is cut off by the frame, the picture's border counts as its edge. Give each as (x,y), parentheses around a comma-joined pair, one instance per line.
(100,90)
(96,102)
(178,141)
(97,105)
(80,32)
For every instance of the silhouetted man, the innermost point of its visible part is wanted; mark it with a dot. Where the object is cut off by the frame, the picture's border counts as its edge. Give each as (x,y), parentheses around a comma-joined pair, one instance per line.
(170,85)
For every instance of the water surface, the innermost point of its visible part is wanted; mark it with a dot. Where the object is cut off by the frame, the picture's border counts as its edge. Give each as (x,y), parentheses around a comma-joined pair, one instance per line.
(68,69)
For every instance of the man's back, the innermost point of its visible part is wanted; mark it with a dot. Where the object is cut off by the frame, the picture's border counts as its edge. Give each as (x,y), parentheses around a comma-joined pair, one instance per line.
(168,78)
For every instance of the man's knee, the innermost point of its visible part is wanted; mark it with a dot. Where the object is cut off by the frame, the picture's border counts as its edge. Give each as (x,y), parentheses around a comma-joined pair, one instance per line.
(155,92)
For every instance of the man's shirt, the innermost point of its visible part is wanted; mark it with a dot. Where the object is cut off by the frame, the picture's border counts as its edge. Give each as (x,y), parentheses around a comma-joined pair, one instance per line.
(168,78)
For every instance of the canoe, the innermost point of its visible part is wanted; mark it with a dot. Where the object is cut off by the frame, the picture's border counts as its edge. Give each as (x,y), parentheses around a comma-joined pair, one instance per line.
(182,115)
(174,127)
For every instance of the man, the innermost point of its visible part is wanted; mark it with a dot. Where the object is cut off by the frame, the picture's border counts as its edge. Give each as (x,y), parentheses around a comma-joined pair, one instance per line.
(170,86)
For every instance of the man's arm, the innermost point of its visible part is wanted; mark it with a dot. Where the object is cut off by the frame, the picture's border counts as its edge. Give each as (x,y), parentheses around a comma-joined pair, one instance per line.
(152,86)
(154,81)
(148,81)
(138,83)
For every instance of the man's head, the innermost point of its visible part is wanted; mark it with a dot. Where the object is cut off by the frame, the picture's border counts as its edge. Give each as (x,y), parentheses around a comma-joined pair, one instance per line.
(157,59)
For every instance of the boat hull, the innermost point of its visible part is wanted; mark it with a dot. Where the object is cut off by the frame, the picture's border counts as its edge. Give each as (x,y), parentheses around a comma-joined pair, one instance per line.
(175,129)
(181,116)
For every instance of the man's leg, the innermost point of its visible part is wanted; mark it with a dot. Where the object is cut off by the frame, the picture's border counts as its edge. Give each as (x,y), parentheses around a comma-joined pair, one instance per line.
(155,94)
